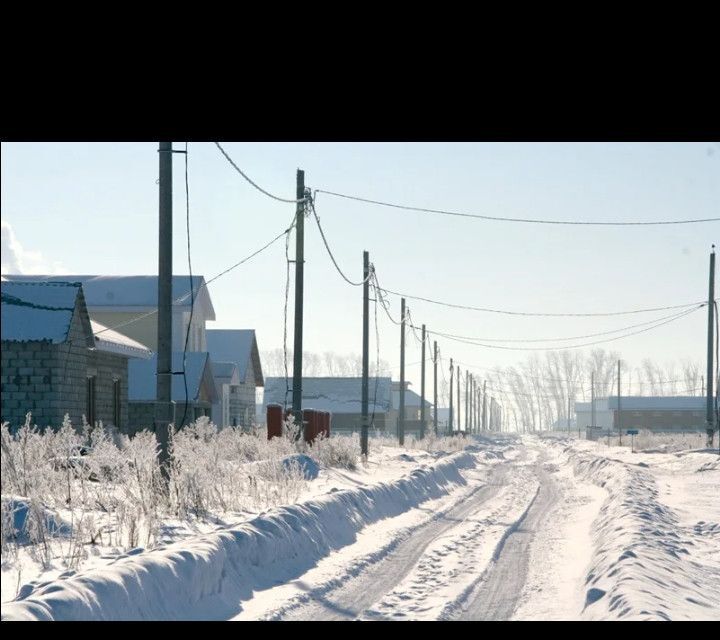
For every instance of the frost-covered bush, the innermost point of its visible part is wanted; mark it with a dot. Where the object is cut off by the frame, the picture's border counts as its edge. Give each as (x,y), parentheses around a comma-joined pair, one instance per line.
(336,451)
(664,442)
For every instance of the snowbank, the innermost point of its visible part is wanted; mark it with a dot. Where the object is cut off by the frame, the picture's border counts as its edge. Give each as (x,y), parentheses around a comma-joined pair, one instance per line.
(209,577)
(646,564)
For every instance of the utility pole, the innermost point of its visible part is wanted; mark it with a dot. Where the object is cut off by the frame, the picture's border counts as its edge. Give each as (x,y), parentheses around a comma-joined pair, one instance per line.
(619,414)
(568,414)
(450,416)
(709,416)
(467,400)
(422,387)
(592,403)
(163,405)
(435,404)
(458,398)
(365,355)
(401,417)
(484,408)
(299,278)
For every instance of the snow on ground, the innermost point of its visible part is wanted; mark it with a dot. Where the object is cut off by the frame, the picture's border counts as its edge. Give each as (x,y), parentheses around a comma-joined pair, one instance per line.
(656,538)
(532,527)
(211,574)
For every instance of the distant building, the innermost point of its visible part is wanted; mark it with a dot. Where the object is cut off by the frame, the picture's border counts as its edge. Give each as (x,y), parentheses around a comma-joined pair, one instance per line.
(236,396)
(53,363)
(342,397)
(412,409)
(142,391)
(661,414)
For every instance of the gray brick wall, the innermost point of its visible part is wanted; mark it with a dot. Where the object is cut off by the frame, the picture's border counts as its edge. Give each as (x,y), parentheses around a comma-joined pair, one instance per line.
(50,380)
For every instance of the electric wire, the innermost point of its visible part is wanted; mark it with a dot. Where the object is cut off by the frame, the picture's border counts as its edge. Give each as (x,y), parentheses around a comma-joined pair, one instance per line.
(522,220)
(242,173)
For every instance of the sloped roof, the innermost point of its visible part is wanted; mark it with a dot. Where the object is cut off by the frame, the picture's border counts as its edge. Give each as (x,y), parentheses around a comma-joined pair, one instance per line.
(142,378)
(412,399)
(658,403)
(339,395)
(130,291)
(238,346)
(114,342)
(33,311)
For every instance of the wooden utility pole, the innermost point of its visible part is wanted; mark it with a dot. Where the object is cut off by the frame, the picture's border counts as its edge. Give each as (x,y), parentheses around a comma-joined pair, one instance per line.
(568,413)
(450,415)
(619,408)
(484,408)
(163,405)
(365,354)
(435,381)
(299,280)
(422,387)
(710,414)
(401,417)
(458,399)
(592,402)
(467,401)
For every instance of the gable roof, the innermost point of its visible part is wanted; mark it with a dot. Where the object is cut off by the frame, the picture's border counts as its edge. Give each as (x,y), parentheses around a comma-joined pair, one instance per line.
(658,403)
(339,395)
(412,399)
(238,346)
(114,342)
(34,311)
(142,377)
(137,292)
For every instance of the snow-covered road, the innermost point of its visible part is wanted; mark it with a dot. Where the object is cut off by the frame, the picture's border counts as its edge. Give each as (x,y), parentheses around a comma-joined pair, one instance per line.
(513,528)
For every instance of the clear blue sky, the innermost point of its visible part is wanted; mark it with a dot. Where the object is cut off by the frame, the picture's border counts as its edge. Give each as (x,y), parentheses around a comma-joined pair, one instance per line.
(92,208)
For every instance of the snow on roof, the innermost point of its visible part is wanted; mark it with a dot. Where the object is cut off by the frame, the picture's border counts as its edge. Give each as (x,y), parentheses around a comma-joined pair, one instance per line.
(658,403)
(38,311)
(412,399)
(223,369)
(129,291)
(114,342)
(338,395)
(142,377)
(235,345)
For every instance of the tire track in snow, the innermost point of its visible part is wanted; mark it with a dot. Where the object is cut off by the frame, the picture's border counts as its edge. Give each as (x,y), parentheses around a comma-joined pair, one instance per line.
(369,580)
(495,594)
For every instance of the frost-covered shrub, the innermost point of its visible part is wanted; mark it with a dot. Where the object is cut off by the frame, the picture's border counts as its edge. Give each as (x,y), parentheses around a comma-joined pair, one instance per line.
(336,451)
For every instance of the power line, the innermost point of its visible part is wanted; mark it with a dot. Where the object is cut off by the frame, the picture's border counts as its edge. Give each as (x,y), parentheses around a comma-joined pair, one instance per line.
(524,313)
(330,253)
(585,344)
(581,337)
(240,171)
(204,284)
(525,220)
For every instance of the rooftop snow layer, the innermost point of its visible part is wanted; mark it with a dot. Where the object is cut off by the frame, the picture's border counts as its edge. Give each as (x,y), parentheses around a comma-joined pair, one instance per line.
(37,311)
(658,403)
(108,340)
(338,395)
(125,291)
(234,345)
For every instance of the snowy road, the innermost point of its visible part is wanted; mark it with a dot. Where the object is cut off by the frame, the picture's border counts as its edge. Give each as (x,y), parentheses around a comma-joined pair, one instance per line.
(512,528)
(468,561)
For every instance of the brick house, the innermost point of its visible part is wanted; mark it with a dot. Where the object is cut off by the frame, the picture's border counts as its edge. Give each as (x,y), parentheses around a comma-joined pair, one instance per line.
(236,402)
(53,363)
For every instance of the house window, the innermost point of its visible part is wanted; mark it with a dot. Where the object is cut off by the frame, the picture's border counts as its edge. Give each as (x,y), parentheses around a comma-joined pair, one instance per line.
(116,402)
(90,405)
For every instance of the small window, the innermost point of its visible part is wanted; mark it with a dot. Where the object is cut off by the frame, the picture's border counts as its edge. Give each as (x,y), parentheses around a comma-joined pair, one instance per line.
(116,402)
(90,405)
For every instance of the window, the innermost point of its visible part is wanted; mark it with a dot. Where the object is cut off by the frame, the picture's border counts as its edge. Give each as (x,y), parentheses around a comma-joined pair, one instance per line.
(116,402)
(90,405)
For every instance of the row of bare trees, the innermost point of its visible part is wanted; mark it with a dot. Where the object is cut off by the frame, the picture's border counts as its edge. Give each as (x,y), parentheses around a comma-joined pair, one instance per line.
(539,392)
(328,363)
(536,393)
